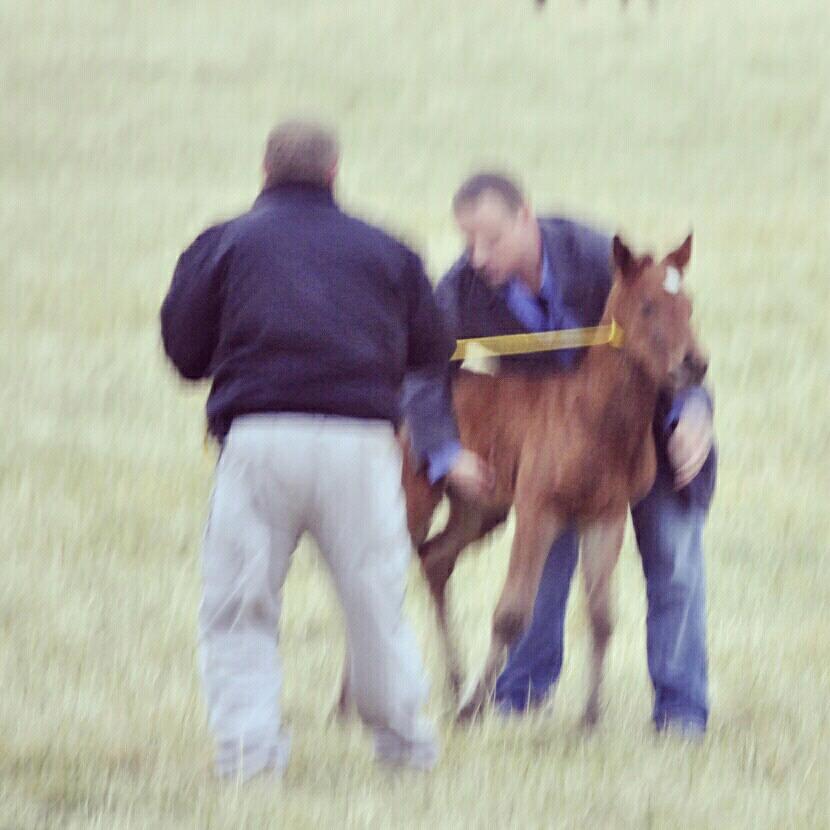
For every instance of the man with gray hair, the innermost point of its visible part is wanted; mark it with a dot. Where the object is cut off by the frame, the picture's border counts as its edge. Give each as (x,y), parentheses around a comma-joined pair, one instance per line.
(306,319)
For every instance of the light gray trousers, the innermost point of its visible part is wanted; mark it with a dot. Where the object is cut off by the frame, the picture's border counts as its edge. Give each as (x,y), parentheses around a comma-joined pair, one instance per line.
(339,479)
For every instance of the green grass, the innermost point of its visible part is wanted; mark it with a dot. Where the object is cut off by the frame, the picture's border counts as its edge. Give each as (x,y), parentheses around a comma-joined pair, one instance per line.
(126,129)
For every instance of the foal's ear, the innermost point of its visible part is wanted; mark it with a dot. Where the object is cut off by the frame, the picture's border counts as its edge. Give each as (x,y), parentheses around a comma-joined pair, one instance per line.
(624,261)
(680,258)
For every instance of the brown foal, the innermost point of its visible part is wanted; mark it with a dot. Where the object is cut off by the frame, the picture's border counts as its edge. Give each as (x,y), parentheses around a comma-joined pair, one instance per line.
(573,448)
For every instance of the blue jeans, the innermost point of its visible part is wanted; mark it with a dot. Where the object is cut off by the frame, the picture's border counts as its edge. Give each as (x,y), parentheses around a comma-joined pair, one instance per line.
(668,531)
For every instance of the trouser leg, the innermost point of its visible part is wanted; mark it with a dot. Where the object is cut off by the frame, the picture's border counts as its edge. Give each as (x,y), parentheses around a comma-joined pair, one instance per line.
(246,553)
(361,529)
(669,536)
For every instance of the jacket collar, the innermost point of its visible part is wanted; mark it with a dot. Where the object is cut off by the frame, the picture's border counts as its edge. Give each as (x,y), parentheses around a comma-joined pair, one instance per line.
(296,192)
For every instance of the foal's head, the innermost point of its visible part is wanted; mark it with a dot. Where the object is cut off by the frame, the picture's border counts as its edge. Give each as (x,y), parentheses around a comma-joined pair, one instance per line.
(648,302)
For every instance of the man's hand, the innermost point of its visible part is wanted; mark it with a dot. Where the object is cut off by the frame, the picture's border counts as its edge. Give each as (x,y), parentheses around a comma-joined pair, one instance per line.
(471,476)
(691,441)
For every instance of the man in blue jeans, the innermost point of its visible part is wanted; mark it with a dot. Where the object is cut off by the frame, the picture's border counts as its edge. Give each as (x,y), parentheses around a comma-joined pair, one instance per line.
(522,273)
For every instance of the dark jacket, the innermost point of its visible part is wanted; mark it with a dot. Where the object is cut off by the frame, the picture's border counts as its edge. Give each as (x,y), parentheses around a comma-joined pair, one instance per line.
(295,306)
(580,260)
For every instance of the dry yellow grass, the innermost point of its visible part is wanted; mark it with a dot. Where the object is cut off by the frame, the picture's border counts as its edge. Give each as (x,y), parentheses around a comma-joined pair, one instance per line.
(128,127)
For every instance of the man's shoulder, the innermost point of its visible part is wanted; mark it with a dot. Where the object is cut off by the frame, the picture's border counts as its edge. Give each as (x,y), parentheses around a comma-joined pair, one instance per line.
(239,225)
(578,251)
(376,235)
(564,232)
(580,256)
(377,243)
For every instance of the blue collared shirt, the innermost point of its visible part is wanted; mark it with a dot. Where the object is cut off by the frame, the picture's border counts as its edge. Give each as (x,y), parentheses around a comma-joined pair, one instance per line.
(542,312)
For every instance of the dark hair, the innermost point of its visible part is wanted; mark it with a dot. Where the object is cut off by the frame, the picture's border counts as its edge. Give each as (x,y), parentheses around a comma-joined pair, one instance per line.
(300,152)
(479,184)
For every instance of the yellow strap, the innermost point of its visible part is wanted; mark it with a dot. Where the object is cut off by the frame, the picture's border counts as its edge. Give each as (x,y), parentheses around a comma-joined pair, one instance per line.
(544,341)
(539,341)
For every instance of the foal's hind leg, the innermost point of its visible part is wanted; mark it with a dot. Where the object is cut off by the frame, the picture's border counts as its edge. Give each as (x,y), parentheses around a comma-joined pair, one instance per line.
(535,532)
(466,524)
(601,543)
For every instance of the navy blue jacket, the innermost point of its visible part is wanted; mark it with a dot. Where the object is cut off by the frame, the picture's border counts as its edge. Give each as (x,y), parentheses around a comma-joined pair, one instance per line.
(295,306)
(580,259)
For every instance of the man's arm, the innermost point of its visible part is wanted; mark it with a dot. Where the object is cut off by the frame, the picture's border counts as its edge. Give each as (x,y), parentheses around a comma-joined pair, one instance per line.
(430,341)
(191,310)
(427,408)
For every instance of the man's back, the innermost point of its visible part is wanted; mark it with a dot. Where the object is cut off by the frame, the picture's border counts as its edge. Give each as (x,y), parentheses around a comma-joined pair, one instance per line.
(301,308)
(299,312)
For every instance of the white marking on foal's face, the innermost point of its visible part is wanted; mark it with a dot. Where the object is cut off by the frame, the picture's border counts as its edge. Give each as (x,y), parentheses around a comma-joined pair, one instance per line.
(672,281)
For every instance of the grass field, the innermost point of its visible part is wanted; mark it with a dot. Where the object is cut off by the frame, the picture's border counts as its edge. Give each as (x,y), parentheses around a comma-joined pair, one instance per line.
(126,128)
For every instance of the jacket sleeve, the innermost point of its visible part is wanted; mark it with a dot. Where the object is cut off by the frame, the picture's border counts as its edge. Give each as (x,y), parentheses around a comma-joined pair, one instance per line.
(430,342)
(192,308)
(427,390)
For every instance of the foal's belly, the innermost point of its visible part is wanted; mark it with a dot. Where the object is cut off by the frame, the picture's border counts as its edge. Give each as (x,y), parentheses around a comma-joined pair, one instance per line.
(584,480)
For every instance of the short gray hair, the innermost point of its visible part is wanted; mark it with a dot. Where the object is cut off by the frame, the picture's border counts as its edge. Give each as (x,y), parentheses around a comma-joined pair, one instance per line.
(300,152)
(476,186)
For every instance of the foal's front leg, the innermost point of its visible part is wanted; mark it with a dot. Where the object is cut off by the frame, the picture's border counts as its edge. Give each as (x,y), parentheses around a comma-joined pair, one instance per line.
(536,530)
(600,549)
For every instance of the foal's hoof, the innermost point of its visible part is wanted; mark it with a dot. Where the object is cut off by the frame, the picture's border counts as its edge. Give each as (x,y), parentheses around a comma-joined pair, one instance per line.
(337,714)
(455,684)
(469,711)
(341,711)
(590,718)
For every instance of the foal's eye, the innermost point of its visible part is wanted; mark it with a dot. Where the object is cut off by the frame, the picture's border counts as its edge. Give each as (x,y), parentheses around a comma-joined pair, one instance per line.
(647,308)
